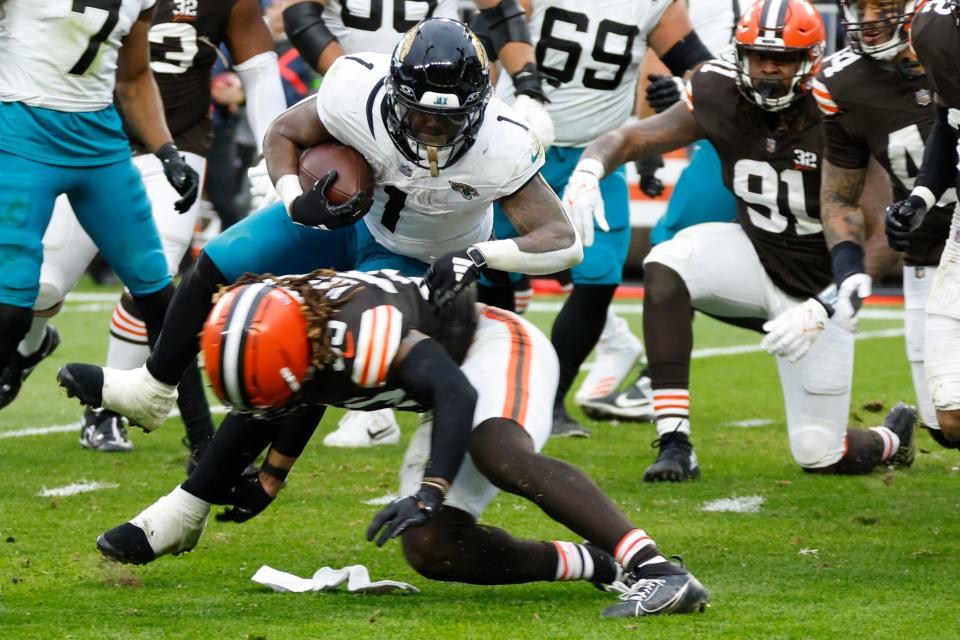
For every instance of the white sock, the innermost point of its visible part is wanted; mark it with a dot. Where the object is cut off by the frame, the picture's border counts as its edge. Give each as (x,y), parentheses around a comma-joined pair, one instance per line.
(633,542)
(574,562)
(34,339)
(891,441)
(174,523)
(672,409)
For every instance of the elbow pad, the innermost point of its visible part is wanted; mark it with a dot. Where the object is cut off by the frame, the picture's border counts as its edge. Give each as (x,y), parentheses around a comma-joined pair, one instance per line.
(502,24)
(306,30)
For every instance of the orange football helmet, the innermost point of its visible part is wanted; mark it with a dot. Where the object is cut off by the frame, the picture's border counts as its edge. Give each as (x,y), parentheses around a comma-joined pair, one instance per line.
(255,347)
(787,29)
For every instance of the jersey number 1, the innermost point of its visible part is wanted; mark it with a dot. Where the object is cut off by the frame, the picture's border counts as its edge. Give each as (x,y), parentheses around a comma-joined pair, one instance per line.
(112,7)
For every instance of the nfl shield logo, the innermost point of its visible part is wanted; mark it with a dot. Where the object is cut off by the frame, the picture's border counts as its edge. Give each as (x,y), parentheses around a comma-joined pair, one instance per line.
(919,272)
(771,145)
(924,97)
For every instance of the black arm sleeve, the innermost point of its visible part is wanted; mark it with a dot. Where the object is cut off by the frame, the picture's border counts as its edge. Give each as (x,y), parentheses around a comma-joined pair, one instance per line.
(939,158)
(687,53)
(296,429)
(431,377)
(500,25)
(303,23)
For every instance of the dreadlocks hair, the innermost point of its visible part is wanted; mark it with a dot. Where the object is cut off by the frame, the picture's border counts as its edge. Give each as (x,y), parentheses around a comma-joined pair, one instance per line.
(314,304)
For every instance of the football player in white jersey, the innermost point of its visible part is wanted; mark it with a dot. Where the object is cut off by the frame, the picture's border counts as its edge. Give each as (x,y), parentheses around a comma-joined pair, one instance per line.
(181,63)
(324,30)
(596,56)
(61,134)
(442,149)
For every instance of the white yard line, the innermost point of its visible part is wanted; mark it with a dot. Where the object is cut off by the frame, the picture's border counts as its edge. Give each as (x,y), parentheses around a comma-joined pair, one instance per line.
(746,424)
(736,504)
(77,487)
(75,426)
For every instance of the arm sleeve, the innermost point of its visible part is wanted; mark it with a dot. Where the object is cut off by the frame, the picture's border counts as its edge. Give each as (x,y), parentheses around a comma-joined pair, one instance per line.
(431,377)
(260,76)
(939,158)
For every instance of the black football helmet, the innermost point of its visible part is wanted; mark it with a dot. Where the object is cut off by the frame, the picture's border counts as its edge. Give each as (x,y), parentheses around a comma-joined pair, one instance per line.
(436,92)
(885,35)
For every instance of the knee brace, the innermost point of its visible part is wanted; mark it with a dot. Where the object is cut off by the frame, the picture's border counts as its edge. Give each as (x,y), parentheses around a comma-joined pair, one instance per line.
(816,444)
(942,362)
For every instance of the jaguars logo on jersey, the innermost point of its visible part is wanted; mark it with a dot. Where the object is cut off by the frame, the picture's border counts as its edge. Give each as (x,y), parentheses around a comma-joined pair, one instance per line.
(468,192)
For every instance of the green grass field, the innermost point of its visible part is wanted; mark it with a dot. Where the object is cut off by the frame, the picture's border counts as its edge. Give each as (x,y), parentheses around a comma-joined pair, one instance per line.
(864,557)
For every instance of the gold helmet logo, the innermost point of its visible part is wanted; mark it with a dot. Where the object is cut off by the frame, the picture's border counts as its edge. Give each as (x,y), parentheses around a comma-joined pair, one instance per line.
(481,52)
(404,47)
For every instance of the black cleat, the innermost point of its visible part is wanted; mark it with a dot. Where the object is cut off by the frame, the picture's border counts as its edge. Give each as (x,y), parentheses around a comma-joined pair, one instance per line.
(902,420)
(127,544)
(14,374)
(82,381)
(676,462)
(103,431)
(677,591)
(564,426)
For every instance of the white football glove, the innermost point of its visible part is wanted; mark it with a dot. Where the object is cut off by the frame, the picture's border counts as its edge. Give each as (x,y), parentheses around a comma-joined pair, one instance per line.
(535,114)
(793,332)
(582,199)
(262,191)
(859,285)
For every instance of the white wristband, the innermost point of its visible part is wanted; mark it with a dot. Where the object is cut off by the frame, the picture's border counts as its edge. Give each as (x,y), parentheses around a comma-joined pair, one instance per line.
(289,188)
(928,198)
(592,166)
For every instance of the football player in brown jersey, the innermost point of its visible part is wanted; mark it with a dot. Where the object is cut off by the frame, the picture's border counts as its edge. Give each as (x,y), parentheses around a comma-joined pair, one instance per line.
(767,269)
(935,36)
(372,340)
(877,101)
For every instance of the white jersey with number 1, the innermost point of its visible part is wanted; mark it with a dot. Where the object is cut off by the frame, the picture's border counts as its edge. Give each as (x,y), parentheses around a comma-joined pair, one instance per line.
(62,54)
(594,49)
(377,25)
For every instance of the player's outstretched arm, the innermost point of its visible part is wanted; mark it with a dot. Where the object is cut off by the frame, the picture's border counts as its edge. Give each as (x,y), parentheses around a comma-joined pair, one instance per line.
(429,375)
(676,43)
(840,211)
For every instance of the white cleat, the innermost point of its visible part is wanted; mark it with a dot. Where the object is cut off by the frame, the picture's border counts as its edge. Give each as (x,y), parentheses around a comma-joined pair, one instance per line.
(170,526)
(358,429)
(135,394)
(618,351)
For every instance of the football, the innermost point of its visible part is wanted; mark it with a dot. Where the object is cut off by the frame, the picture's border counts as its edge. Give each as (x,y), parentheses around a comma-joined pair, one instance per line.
(353,172)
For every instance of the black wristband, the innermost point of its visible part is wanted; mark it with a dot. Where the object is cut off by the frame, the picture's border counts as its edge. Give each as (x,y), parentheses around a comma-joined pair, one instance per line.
(846,258)
(303,23)
(687,53)
(527,82)
(276,472)
(168,151)
(434,489)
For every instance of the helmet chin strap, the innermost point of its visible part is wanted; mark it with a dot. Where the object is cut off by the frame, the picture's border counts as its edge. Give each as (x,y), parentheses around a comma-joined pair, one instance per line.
(432,159)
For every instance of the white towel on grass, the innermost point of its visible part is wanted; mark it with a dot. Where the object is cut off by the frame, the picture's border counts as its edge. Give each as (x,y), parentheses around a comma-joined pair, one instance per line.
(356,576)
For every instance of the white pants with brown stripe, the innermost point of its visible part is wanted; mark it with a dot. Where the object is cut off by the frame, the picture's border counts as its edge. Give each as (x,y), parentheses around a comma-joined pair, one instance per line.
(514,369)
(724,276)
(68,250)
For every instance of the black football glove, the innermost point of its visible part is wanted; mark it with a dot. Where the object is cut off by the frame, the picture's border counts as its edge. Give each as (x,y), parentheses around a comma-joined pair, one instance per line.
(312,209)
(528,81)
(663,91)
(180,175)
(249,499)
(650,184)
(399,515)
(901,220)
(451,274)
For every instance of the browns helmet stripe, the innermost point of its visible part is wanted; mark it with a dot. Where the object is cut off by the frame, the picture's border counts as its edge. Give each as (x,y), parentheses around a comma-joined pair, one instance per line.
(251,315)
(773,16)
(231,362)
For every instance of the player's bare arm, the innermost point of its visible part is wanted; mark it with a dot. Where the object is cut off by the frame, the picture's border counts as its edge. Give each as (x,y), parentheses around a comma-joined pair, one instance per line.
(840,212)
(673,129)
(303,22)
(136,88)
(297,128)
(247,35)
(537,214)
